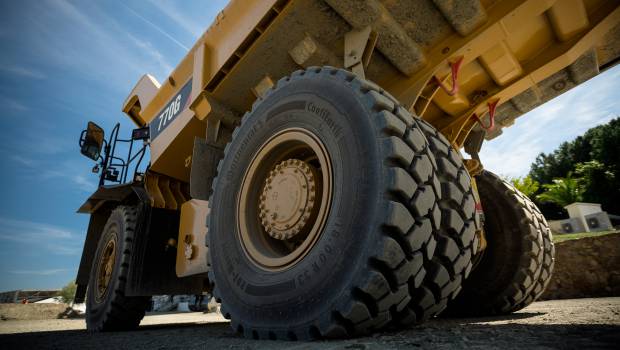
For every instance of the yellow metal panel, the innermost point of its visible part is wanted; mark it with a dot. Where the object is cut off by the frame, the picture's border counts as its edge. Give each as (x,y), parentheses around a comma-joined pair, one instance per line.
(514,49)
(503,15)
(552,60)
(201,73)
(191,249)
(164,187)
(152,187)
(529,37)
(175,143)
(181,74)
(140,96)
(177,192)
(453,105)
(568,18)
(231,28)
(501,64)
(473,77)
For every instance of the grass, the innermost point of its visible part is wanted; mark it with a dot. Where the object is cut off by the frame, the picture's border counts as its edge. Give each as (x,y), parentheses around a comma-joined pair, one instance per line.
(569,236)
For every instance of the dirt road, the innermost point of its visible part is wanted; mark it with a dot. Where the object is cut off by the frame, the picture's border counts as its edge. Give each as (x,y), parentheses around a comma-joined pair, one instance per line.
(576,323)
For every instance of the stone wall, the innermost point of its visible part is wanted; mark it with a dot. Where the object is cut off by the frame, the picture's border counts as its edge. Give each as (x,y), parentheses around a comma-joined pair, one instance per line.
(42,311)
(586,267)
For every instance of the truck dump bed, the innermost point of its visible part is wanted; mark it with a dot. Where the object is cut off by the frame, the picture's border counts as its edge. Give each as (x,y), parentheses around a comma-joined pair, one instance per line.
(518,54)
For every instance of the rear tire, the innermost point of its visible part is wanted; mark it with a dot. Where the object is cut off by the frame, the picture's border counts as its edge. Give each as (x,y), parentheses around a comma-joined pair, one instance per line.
(378,231)
(107,307)
(548,262)
(517,262)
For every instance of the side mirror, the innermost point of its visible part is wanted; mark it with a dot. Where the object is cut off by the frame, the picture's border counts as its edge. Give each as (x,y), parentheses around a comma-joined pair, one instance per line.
(91,141)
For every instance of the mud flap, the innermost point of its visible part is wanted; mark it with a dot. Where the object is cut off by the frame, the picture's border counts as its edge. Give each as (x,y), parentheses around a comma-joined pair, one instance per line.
(205,158)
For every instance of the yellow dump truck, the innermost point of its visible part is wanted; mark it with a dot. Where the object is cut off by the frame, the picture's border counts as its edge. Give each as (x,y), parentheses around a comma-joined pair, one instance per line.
(314,164)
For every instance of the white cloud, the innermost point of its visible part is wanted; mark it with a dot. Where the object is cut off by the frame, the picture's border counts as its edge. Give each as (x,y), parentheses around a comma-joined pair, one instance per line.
(24,161)
(42,168)
(546,127)
(24,72)
(31,232)
(84,183)
(186,22)
(43,272)
(81,182)
(158,28)
(39,236)
(148,49)
(38,141)
(64,249)
(97,38)
(12,103)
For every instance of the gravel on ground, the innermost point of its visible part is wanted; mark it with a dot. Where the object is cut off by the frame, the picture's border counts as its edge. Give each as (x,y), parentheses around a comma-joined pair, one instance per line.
(559,324)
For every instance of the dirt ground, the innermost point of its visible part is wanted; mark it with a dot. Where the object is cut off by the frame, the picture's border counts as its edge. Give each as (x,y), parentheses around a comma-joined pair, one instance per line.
(573,323)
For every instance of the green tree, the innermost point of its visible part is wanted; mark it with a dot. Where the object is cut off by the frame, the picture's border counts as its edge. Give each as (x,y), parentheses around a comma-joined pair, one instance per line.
(67,293)
(605,141)
(563,191)
(597,180)
(593,157)
(557,164)
(526,185)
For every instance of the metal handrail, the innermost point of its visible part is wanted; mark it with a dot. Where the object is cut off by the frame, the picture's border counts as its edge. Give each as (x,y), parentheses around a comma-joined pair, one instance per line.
(111,162)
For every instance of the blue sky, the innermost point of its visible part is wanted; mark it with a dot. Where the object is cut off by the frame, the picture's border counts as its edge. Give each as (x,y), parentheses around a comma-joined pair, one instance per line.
(66,62)
(63,63)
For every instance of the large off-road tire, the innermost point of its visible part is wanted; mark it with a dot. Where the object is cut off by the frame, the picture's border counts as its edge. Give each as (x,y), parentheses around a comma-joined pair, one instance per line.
(378,230)
(455,236)
(107,307)
(548,262)
(517,262)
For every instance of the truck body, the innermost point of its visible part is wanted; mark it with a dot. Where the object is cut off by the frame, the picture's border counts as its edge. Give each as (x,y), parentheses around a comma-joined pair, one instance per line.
(468,68)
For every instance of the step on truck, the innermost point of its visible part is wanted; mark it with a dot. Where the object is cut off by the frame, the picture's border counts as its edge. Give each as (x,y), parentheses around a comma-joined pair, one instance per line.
(314,165)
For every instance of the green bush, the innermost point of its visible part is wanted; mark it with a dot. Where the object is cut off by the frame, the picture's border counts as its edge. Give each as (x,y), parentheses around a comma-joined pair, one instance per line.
(67,293)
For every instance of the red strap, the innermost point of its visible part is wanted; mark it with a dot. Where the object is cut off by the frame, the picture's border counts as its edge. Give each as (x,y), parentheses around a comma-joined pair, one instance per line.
(454,69)
(492,106)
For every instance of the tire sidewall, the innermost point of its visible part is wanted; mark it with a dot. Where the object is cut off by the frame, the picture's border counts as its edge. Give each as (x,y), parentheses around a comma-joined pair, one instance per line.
(114,229)
(306,288)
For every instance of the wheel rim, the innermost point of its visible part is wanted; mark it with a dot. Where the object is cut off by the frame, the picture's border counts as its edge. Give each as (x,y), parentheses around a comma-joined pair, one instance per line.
(284,199)
(105,268)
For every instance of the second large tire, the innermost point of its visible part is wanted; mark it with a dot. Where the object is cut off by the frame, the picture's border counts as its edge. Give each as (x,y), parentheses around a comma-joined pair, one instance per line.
(518,260)
(107,306)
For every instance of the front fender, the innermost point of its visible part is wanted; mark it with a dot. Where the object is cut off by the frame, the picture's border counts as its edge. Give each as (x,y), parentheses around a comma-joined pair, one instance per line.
(113,194)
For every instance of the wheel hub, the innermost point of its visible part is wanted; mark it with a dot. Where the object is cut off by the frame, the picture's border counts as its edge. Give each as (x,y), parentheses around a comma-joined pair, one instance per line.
(287,199)
(284,199)
(106,267)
